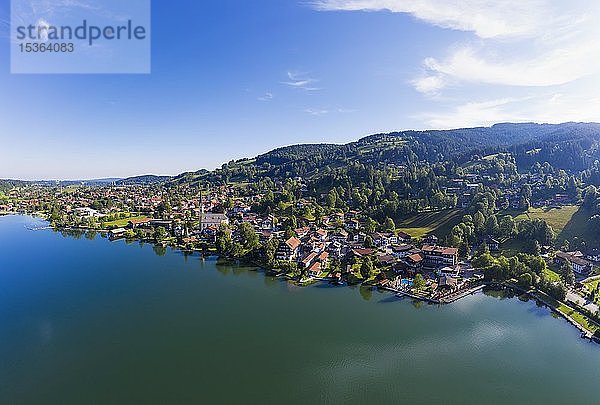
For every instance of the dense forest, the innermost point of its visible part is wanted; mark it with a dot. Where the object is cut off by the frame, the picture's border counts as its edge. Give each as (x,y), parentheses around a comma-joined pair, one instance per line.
(569,146)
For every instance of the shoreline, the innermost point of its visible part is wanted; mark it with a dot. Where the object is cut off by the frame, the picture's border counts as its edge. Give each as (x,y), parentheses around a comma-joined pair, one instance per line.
(454,297)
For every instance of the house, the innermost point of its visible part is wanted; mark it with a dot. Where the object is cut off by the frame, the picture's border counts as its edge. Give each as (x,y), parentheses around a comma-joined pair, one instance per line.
(414,263)
(321,234)
(209,219)
(575,261)
(308,259)
(155,223)
(581,266)
(86,212)
(314,270)
(449,271)
(138,223)
(384,239)
(340,236)
(447,283)
(403,237)
(323,258)
(288,250)
(431,239)
(402,250)
(439,256)
(387,260)
(116,233)
(593,255)
(352,224)
(302,232)
(493,244)
(362,252)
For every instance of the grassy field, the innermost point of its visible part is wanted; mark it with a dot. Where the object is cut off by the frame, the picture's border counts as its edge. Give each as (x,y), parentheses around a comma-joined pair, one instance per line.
(121,223)
(567,222)
(576,316)
(578,227)
(551,275)
(440,223)
(557,218)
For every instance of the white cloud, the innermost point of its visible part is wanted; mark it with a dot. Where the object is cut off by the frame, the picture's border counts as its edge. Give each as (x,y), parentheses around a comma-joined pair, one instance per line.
(429,84)
(301,81)
(522,43)
(486,18)
(316,112)
(470,114)
(266,97)
(551,67)
(581,106)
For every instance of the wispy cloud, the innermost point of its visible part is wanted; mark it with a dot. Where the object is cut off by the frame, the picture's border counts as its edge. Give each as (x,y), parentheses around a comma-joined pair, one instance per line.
(546,50)
(547,107)
(323,111)
(470,114)
(266,97)
(316,112)
(486,18)
(521,43)
(301,81)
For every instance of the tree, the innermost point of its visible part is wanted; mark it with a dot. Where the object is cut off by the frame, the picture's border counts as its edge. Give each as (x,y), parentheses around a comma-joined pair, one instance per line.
(237,250)
(507,226)
(389,225)
(270,248)
(160,233)
(369,242)
(419,283)
(491,225)
(139,233)
(482,249)
(533,247)
(479,222)
(367,268)
(524,203)
(566,274)
(484,261)
(248,236)
(223,241)
(370,225)
(590,197)
(537,265)
(332,199)
(525,280)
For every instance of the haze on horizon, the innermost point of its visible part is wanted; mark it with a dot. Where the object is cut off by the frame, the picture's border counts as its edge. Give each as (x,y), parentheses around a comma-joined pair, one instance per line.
(235,80)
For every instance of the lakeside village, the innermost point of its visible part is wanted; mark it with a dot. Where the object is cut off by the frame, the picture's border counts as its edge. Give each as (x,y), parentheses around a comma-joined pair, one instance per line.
(320,242)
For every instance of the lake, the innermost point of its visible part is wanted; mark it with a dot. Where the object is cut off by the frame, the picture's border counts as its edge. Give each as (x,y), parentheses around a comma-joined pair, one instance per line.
(84,320)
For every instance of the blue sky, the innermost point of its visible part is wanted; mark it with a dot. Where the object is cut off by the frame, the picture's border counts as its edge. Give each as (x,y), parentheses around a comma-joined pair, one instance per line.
(232,79)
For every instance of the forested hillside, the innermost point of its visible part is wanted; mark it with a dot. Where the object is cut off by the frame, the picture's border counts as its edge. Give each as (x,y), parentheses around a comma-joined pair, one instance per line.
(569,146)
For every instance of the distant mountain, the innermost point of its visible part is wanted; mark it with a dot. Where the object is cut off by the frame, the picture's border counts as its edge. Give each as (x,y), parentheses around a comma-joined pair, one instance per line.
(144,180)
(137,180)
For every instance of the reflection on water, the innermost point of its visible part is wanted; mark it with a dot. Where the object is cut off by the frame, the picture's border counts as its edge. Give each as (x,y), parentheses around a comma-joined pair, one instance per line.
(159,250)
(366,292)
(88,324)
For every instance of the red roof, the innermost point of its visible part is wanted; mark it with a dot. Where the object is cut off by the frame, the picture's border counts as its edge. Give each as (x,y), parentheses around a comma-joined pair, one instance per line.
(293,242)
(315,267)
(416,257)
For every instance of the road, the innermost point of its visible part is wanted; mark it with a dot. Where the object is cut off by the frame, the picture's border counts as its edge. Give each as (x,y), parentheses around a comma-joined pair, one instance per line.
(590,306)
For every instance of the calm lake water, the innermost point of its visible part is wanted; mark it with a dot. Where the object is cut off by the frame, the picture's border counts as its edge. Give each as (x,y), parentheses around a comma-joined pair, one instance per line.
(88,320)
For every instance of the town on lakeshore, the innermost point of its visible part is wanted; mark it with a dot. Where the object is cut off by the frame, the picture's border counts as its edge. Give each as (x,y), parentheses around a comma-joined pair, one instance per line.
(434,230)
